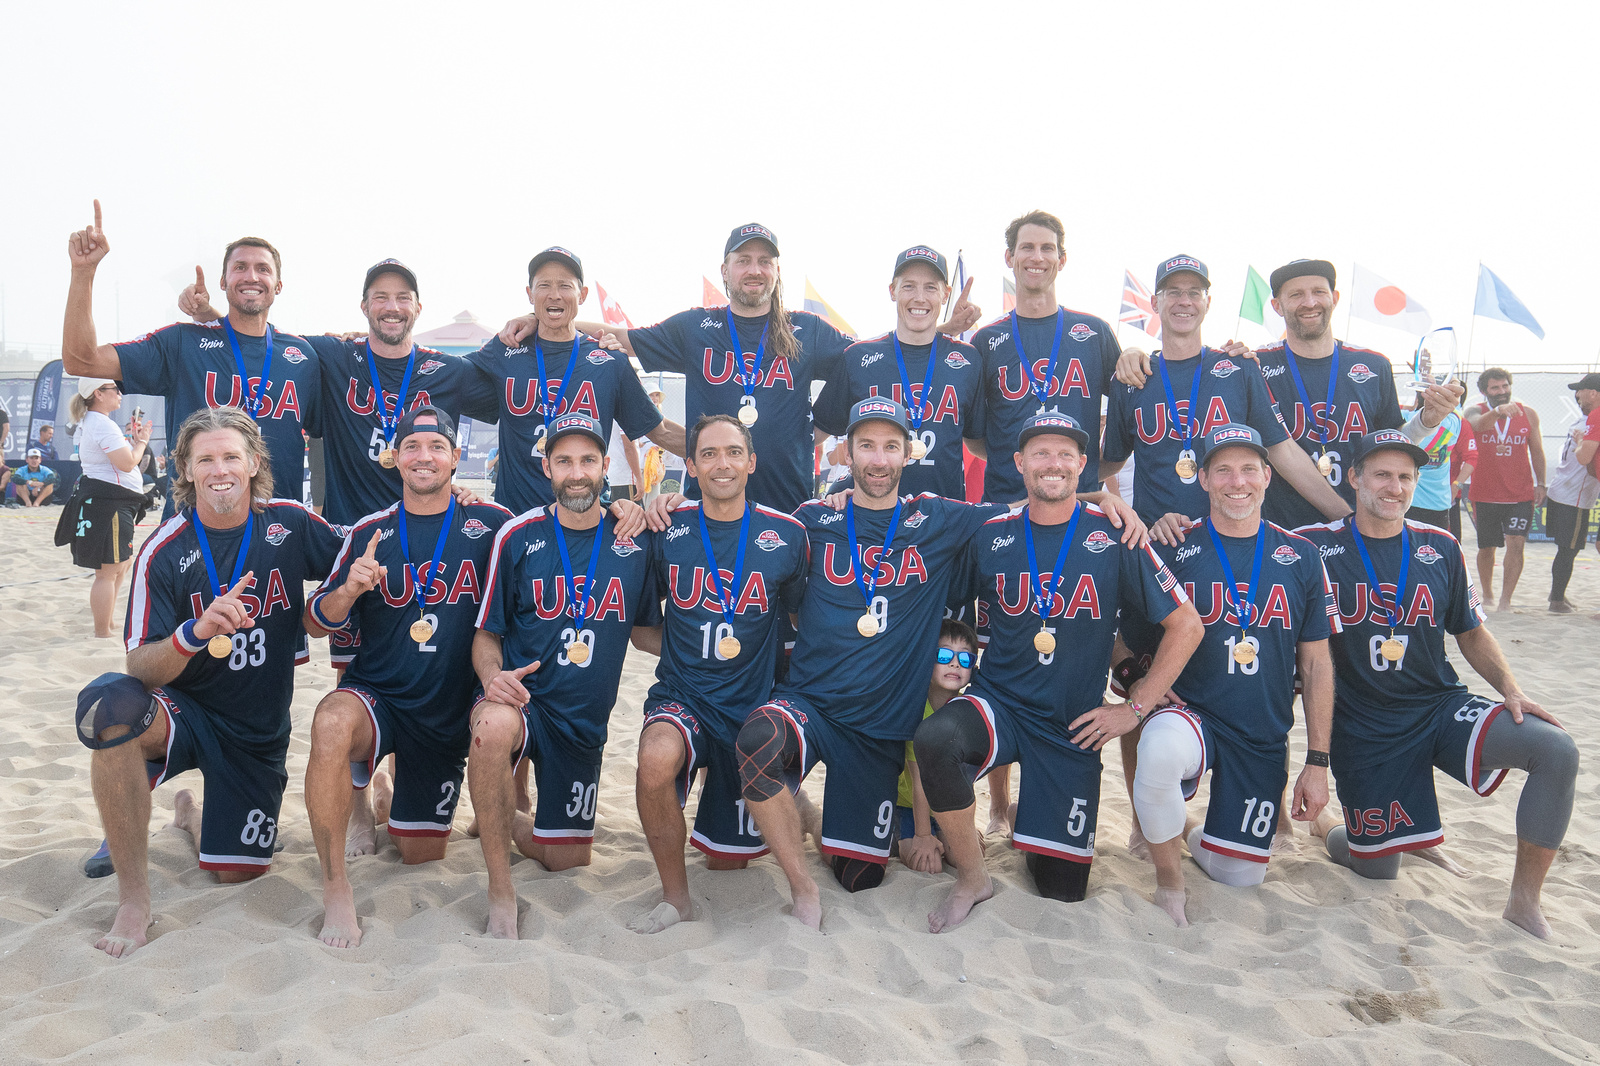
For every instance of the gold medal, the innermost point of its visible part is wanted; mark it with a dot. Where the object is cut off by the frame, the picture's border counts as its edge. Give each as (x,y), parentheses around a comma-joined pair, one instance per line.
(219,645)
(1186,468)
(1324,464)
(918,449)
(1392,649)
(538,446)
(421,630)
(747,414)
(1044,643)
(1244,652)
(577,653)
(867,625)
(728,647)
(386,458)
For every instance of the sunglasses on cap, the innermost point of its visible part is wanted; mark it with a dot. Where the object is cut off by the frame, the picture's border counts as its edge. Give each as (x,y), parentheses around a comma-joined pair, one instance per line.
(949,655)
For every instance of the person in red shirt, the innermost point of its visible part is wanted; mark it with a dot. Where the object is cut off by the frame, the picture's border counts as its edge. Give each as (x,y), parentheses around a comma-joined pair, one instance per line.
(1508,482)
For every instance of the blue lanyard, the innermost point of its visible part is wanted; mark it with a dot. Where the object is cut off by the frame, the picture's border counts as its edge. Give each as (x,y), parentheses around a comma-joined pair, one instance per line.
(726,599)
(1044,600)
(1305,398)
(205,551)
(252,403)
(417,586)
(916,401)
(1041,389)
(748,376)
(580,601)
(1190,424)
(548,409)
(387,418)
(864,584)
(1240,615)
(1392,613)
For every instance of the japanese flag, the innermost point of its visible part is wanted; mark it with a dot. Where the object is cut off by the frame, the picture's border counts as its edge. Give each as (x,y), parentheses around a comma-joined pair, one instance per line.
(1377,300)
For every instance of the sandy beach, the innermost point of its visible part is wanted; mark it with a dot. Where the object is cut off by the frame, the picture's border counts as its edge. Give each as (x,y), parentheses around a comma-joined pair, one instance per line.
(1315,966)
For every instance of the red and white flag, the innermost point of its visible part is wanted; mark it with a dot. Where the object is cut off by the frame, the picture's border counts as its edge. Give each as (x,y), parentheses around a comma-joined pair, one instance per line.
(1137,310)
(611,311)
(713,295)
(1377,300)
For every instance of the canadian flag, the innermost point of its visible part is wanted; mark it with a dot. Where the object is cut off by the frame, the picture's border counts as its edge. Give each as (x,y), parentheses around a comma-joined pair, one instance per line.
(1378,300)
(612,311)
(713,296)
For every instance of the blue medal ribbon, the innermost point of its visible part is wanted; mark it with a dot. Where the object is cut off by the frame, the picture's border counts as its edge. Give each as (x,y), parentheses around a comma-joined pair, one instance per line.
(388,419)
(1041,389)
(916,400)
(548,409)
(579,601)
(417,587)
(865,585)
(1240,614)
(748,375)
(1191,423)
(1305,398)
(1390,611)
(1044,600)
(251,404)
(726,599)
(205,551)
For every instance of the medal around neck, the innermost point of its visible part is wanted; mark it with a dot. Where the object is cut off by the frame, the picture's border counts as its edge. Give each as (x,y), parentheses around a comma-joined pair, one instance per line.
(1392,649)
(220,645)
(386,458)
(578,652)
(421,631)
(867,625)
(918,449)
(1244,652)
(748,415)
(1324,464)
(728,647)
(1044,642)
(1186,467)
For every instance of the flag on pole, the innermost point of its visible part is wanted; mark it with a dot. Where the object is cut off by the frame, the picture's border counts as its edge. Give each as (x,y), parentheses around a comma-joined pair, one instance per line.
(713,296)
(611,311)
(1378,300)
(1496,300)
(818,306)
(1008,302)
(1137,310)
(1256,306)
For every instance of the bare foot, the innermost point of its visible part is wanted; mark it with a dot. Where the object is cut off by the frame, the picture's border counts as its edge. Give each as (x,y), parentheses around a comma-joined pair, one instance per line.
(502,918)
(1326,819)
(186,813)
(340,926)
(665,916)
(1444,862)
(959,903)
(810,822)
(361,835)
(127,931)
(1138,844)
(1171,900)
(808,907)
(382,797)
(1528,916)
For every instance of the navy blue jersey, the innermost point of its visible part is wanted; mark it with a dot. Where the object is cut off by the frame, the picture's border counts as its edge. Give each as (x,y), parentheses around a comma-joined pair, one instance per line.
(1139,423)
(1251,703)
(1088,357)
(603,386)
(1364,400)
(1379,707)
(721,691)
(952,407)
(526,603)
(248,691)
(877,685)
(430,684)
(1100,576)
(357,484)
(695,343)
(192,366)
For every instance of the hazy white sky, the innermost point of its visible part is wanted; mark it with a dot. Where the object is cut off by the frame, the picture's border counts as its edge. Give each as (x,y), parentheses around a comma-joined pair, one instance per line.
(1416,138)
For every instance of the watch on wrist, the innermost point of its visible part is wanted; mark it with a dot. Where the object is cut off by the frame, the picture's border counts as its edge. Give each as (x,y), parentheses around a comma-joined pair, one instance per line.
(1316,758)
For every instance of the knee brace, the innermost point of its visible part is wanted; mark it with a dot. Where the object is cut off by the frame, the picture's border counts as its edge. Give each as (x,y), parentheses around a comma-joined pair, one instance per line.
(952,744)
(857,875)
(1382,868)
(769,750)
(113,700)
(1550,757)
(1059,879)
(1169,754)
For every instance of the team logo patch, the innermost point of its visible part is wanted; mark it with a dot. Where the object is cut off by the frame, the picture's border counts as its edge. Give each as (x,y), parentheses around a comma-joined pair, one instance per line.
(829,518)
(1098,541)
(1225,435)
(429,366)
(625,547)
(276,534)
(205,342)
(1427,554)
(1360,374)
(1165,579)
(878,407)
(870,358)
(517,351)
(710,323)
(1080,332)
(1224,368)
(769,541)
(599,357)
(474,528)
(955,361)
(1390,436)
(915,520)
(292,354)
(1285,555)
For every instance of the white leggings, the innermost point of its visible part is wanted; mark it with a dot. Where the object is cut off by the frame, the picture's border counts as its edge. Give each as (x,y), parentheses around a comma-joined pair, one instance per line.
(1170,754)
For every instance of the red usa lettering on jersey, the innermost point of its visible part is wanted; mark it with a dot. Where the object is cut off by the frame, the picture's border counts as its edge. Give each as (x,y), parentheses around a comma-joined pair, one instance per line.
(358,405)
(910,566)
(1365,608)
(1373,822)
(1216,415)
(778,371)
(288,398)
(1085,597)
(255,606)
(1070,379)
(1275,609)
(465,586)
(583,401)
(949,409)
(612,602)
(1355,422)
(752,596)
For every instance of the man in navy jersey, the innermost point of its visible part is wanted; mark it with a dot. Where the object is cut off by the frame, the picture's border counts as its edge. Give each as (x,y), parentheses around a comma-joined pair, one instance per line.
(409,579)
(1051,577)
(730,569)
(556,370)
(213,630)
(938,379)
(1400,710)
(564,596)
(368,384)
(223,364)
(1266,605)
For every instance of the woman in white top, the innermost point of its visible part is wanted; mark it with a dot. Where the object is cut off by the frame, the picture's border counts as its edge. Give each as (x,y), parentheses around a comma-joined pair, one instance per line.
(111,485)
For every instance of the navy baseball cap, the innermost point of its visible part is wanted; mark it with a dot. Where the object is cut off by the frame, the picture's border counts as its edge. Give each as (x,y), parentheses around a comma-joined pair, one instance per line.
(922,254)
(556,254)
(570,423)
(111,700)
(743,235)
(1178,264)
(1588,381)
(1231,435)
(1389,439)
(1053,422)
(877,409)
(446,427)
(1303,268)
(389,266)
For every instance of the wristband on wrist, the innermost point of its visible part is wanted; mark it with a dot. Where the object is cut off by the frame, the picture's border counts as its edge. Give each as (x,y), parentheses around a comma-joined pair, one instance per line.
(185,640)
(1138,711)
(322,619)
(1316,758)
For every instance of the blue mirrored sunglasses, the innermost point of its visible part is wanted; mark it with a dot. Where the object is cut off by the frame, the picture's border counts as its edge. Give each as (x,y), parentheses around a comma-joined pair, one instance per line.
(947,655)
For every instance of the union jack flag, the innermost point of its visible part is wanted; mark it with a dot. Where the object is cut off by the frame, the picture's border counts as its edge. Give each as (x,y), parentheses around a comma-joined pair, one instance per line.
(1137,310)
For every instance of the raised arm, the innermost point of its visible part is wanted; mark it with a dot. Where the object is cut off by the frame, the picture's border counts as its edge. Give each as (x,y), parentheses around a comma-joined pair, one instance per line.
(80,353)
(670,436)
